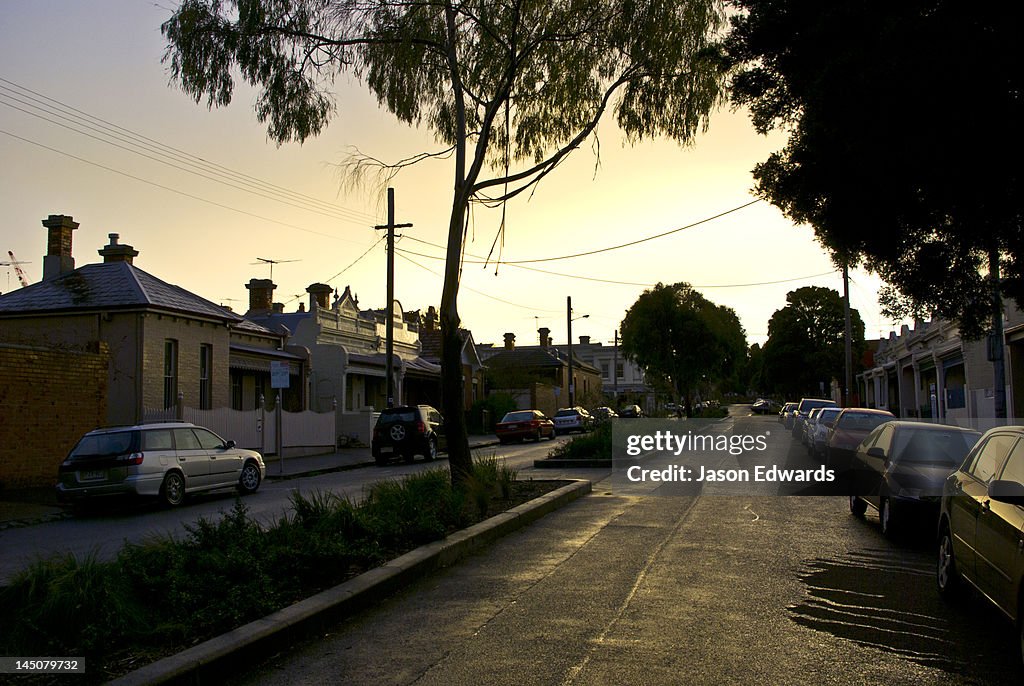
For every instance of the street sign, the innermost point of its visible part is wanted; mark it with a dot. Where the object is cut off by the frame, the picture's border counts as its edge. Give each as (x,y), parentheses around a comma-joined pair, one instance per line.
(279,375)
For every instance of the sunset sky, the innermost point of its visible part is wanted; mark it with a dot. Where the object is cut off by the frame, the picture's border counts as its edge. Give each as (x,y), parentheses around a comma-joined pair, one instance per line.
(97,65)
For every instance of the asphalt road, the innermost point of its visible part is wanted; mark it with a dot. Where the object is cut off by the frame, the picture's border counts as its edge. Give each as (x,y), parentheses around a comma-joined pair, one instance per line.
(103,532)
(672,588)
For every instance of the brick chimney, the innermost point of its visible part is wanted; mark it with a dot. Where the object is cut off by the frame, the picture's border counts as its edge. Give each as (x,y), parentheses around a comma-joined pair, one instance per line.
(58,259)
(545,336)
(584,340)
(115,252)
(430,319)
(261,295)
(278,308)
(319,296)
(510,341)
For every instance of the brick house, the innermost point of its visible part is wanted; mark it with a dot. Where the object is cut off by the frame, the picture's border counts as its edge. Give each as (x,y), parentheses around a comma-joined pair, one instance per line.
(539,374)
(472,365)
(163,341)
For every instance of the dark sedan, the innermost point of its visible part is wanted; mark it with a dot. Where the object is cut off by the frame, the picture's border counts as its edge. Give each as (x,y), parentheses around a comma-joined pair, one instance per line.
(981,525)
(850,428)
(900,467)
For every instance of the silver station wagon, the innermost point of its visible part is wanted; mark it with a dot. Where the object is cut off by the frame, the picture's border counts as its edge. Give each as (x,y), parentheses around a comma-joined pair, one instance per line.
(165,461)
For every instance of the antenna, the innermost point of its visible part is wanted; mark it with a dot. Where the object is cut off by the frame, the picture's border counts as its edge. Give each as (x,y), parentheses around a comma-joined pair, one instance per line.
(267,260)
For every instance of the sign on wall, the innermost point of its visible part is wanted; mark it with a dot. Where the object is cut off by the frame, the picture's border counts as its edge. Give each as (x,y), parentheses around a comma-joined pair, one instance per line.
(279,375)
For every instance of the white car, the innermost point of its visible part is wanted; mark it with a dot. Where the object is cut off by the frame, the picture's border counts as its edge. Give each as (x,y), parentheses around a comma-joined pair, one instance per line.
(817,431)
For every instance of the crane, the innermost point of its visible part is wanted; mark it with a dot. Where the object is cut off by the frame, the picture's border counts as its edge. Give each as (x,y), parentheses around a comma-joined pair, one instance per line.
(17,269)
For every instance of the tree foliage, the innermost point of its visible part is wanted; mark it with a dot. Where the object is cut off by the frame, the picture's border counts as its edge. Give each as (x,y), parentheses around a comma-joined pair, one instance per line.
(675,334)
(511,86)
(805,346)
(904,138)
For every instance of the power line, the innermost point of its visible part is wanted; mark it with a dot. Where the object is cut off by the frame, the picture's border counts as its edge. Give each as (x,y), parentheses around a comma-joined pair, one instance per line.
(175,190)
(354,262)
(621,245)
(53,107)
(486,295)
(612,281)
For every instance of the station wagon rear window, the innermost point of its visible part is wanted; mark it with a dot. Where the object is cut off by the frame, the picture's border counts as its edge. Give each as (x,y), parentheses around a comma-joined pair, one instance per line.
(104,445)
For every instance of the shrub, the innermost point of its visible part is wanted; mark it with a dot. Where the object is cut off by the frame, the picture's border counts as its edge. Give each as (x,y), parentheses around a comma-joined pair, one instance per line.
(595,445)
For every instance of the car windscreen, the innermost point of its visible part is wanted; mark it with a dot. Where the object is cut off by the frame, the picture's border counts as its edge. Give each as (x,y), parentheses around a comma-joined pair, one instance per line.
(395,417)
(566,413)
(517,417)
(808,405)
(105,445)
(862,421)
(933,446)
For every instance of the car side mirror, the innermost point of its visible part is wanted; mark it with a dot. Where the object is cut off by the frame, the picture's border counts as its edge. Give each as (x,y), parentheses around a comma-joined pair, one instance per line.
(228,445)
(876,453)
(1005,491)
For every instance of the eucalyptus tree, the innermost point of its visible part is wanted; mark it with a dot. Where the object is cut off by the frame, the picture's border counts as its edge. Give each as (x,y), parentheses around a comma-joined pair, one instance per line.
(508,87)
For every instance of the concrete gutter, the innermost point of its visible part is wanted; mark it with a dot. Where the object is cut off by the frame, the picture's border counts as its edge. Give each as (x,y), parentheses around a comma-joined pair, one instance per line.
(212,660)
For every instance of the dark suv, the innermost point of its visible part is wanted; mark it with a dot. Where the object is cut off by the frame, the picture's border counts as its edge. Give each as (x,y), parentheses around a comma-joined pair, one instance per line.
(406,432)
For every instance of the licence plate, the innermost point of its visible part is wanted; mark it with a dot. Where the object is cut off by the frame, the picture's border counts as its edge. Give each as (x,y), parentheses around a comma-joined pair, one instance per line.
(386,449)
(91,476)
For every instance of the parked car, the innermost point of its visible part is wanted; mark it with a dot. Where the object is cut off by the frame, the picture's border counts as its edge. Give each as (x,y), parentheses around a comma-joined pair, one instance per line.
(900,467)
(406,432)
(603,414)
(817,441)
(168,461)
(850,428)
(763,406)
(522,424)
(786,414)
(631,412)
(569,419)
(803,409)
(981,525)
(805,428)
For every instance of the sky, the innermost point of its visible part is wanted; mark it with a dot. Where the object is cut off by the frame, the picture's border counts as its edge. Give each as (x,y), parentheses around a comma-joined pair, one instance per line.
(92,127)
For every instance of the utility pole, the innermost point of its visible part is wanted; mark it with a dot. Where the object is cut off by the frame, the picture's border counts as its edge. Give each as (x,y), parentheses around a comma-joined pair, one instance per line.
(568,322)
(615,371)
(995,340)
(847,341)
(389,320)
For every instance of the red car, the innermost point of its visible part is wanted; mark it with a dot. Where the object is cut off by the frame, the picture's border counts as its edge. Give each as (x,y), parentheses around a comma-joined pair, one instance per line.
(522,424)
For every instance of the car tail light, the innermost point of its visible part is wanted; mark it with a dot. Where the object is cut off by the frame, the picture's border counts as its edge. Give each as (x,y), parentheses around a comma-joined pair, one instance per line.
(134,459)
(421,427)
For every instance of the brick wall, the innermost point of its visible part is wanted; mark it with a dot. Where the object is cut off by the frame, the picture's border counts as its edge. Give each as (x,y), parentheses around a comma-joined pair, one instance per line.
(49,397)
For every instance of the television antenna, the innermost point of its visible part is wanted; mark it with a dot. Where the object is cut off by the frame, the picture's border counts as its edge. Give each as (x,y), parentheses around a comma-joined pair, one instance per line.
(267,260)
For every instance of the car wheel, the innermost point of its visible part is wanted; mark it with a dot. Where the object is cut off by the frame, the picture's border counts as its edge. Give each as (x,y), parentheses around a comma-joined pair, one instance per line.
(173,490)
(249,480)
(538,436)
(552,435)
(947,577)
(885,517)
(857,506)
(431,450)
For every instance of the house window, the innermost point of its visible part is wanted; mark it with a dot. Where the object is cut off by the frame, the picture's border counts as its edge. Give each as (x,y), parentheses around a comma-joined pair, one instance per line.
(618,370)
(205,376)
(170,372)
(605,370)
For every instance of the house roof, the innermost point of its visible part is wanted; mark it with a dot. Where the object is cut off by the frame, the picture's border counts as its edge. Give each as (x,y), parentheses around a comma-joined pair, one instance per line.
(430,340)
(106,286)
(535,356)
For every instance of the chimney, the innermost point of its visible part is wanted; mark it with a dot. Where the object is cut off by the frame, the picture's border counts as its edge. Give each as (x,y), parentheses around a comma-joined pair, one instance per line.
(58,259)
(430,319)
(319,296)
(545,336)
(114,252)
(261,294)
(278,308)
(584,340)
(510,341)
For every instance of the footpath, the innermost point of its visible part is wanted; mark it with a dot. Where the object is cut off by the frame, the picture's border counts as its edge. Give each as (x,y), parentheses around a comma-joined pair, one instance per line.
(24,507)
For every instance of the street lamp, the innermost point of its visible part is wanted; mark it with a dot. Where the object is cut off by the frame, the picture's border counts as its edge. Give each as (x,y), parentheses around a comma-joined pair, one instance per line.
(569,320)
